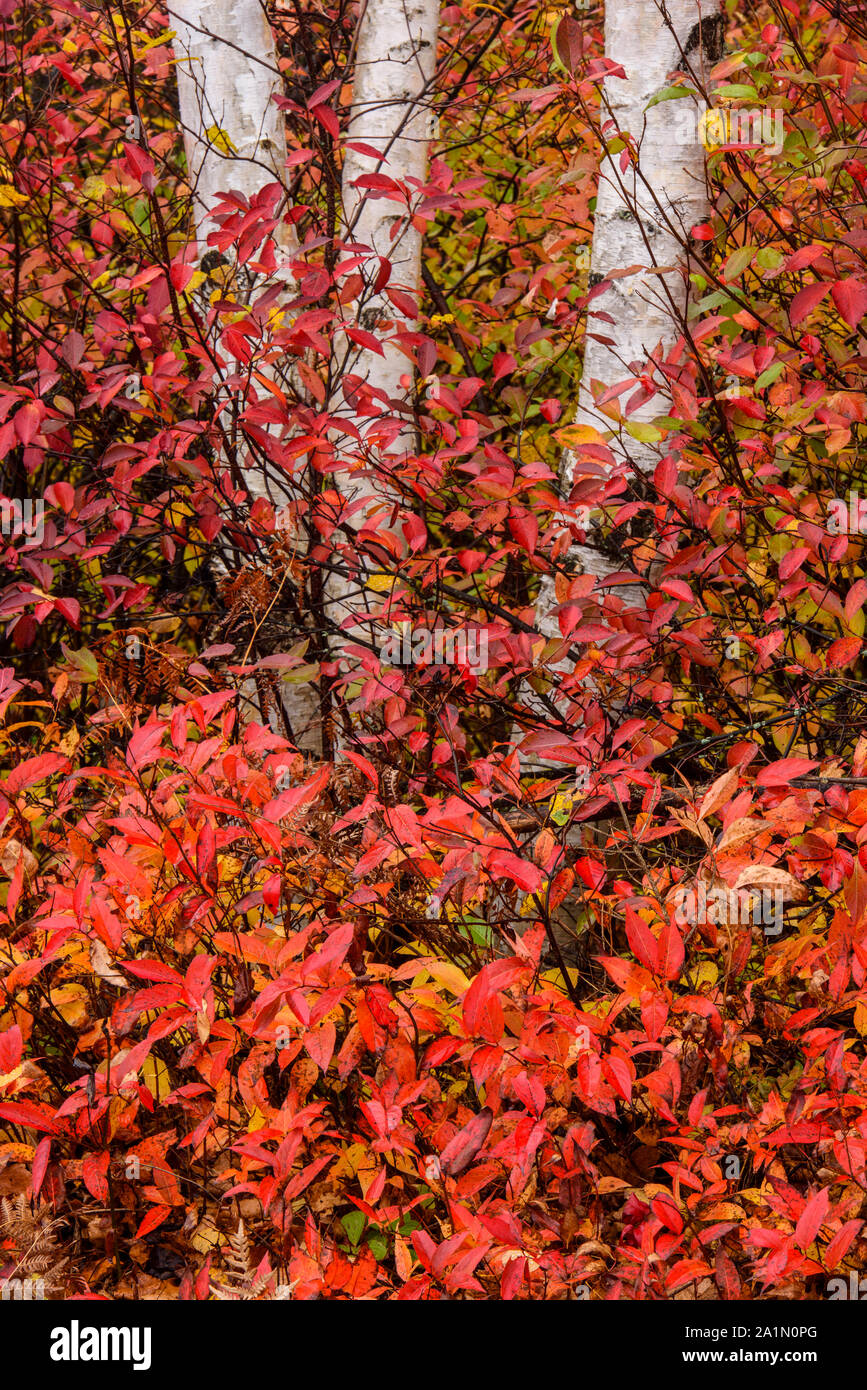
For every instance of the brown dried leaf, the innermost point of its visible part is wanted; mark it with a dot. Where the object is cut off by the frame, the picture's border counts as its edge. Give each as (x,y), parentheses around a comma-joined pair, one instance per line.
(765,876)
(101,962)
(689,822)
(12,851)
(746,828)
(716,796)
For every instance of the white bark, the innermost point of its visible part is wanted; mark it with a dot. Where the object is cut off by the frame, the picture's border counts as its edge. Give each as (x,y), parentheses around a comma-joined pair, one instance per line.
(227,72)
(235,141)
(644,215)
(392,113)
(643,218)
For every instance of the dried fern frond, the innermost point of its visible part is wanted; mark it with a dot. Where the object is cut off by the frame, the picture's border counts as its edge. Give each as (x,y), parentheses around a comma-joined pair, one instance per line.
(32,1235)
(244,1282)
(238,1256)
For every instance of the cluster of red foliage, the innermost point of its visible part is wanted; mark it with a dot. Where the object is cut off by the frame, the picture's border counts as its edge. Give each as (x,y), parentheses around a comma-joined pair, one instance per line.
(432,1027)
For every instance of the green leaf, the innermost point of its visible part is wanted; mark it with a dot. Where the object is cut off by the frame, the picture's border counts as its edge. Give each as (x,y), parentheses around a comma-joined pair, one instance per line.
(735,90)
(769,375)
(353,1224)
(84,662)
(769,258)
(378,1246)
(738,262)
(645,434)
(669,94)
(302,675)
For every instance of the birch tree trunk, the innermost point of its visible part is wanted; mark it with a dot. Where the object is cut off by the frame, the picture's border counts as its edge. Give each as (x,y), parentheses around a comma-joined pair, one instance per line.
(234,133)
(643,217)
(235,140)
(644,214)
(391,114)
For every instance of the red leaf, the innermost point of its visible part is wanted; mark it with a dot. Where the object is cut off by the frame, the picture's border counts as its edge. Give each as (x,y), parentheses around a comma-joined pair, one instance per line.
(459,1153)
(503,863)
(727,1279)
(678,589)
(685,1272)
(40,1163)
(94,1170)
(363,765)
(513,1277)
(206,854)
(642,942)
(850,297)
(155,1217)
(319,1043)
(568,618)
(842,652)
(811,1218)
(670,951)
(198,977)
(618,1074)
(840,1243)
(70,609)
(27,421)
(654,1012)
(781,773)
(327,118)
(24,1113)
(806,300)
(568,42)
(404,303)
(793,560)
(525,530)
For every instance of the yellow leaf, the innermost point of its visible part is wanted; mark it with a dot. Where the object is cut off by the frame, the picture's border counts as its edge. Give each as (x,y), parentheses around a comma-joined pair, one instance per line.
(610,1184)
(71,1003)
(94,187)
(380,583)
(10,197)
(713,128)
(561,807)
(705,973)
(155,1075)
(203,1025)
(206,1236)
(16,1153)
(723,1211)
(352,1158)
(220,140)
(571,436)
(448,975)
